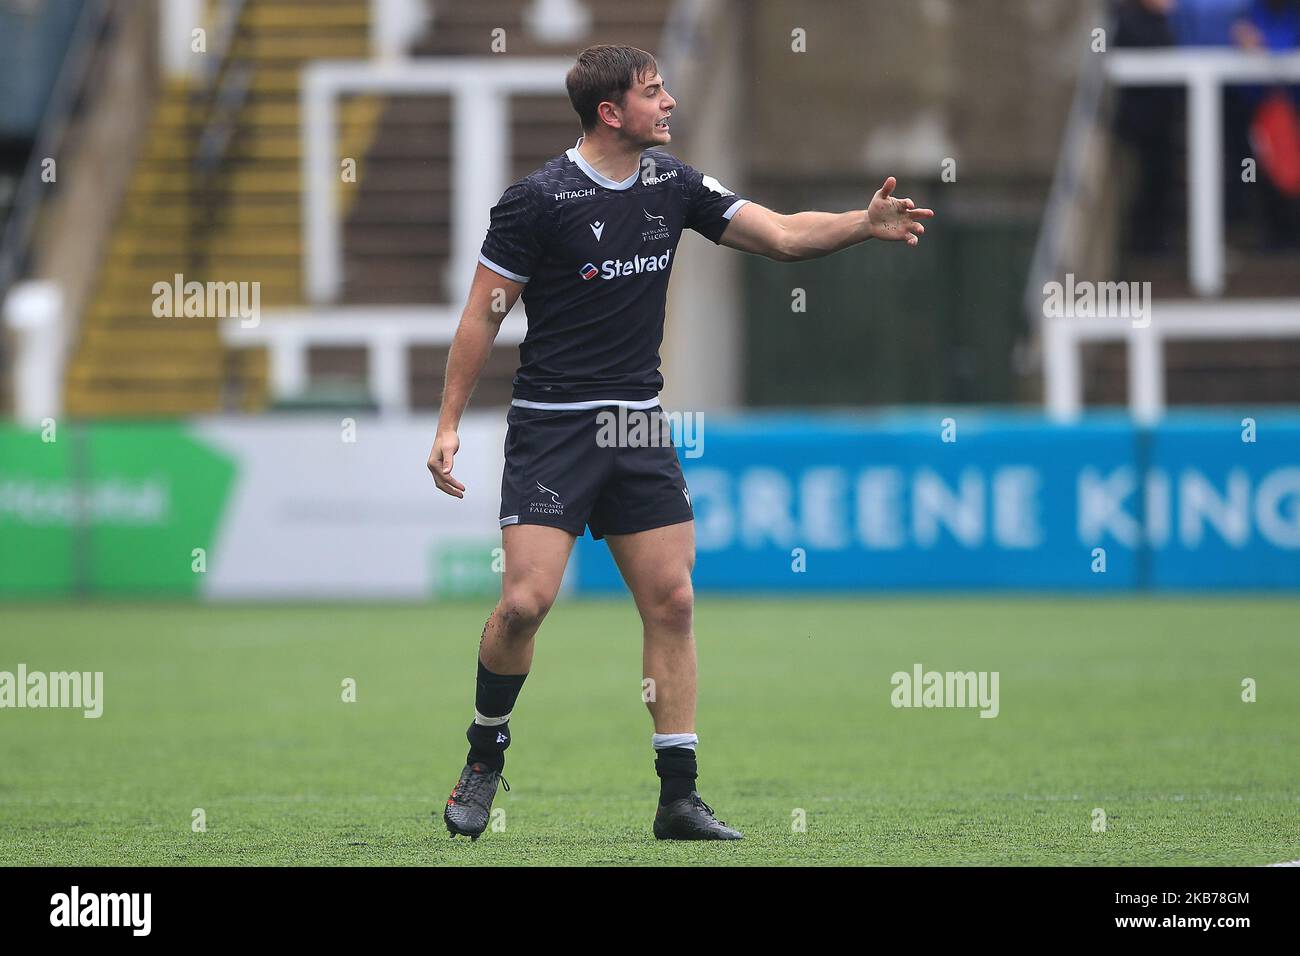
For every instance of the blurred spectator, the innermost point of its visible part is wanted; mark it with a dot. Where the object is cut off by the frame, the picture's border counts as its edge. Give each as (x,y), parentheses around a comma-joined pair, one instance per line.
(1206,22)
(1274,26)
(1209,23)
(1145,118)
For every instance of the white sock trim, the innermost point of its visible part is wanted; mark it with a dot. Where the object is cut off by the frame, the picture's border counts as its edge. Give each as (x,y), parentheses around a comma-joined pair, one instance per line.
(664,741)
(490,721)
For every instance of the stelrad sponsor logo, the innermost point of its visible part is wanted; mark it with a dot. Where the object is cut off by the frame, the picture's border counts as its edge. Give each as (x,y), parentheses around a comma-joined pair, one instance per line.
(617,268)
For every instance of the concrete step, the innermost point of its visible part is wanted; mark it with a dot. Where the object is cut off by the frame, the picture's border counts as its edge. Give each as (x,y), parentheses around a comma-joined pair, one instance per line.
(281,48)
(279,114)
(145,338)
(113,401)
(267,17)
(245,143)
(255,180)
(279,211)
(271,242)
(105,366)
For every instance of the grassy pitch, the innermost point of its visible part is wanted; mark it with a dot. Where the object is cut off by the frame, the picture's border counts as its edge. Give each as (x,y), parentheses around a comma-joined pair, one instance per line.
(1130,706)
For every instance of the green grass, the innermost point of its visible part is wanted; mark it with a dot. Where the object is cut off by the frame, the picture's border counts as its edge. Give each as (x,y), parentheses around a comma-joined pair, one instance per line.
(1133,706)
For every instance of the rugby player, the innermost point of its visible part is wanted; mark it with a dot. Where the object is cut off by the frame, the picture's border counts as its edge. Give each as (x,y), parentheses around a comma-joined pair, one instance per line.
(589,241)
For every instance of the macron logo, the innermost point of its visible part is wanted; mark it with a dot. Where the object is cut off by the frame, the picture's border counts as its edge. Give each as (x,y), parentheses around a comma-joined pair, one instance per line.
(597,228)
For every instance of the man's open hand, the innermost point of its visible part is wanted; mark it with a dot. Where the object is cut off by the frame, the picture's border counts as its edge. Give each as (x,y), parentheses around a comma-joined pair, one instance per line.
(444,451)
(892,218)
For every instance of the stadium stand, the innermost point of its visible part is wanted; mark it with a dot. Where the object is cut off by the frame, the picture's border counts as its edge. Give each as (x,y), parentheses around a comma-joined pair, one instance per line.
(206,181)
(238,222)
(1233,364)
(238,219)
(396,239)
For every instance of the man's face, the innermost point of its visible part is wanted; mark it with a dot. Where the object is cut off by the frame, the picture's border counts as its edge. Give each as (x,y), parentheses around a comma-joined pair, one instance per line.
(645,109)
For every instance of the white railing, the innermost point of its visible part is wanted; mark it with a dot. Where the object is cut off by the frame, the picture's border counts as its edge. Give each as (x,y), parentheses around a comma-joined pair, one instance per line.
(1078,184)
(34,316)
(1204,73)
(386,332)
(479,88)
(480,167)
(395,25)
(1063,339)
(177,19)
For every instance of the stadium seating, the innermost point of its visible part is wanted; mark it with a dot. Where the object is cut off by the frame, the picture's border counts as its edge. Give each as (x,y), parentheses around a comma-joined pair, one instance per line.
(1216,372)
(127,361)
(245,224)
(396,239)
(242,221)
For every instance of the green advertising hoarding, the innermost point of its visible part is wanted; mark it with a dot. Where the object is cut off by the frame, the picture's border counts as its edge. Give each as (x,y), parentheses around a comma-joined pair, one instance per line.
(109,508)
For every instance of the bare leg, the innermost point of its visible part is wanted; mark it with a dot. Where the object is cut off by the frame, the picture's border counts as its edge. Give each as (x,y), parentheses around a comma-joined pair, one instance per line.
(535,560)
(656,565)
(535,556)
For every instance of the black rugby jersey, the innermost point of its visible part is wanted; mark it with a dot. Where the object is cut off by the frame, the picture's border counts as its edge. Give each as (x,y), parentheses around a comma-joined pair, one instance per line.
(596,256)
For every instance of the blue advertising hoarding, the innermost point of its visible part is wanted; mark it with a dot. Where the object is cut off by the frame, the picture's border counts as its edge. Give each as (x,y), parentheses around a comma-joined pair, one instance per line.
(966,500)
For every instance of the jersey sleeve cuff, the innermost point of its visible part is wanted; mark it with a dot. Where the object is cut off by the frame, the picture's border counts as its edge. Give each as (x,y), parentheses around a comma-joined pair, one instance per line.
(734,208)
(501,270)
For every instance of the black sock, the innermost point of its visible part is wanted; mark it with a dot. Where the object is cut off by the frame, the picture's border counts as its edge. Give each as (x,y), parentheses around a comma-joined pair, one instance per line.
(494,698)
(677,770)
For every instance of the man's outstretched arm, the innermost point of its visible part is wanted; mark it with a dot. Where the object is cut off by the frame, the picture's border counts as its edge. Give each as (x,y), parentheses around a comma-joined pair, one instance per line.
(491,297)
(810,235)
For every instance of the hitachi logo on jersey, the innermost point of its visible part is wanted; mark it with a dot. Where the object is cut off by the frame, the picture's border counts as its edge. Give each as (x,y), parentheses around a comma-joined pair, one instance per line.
(614,268)
(575,193)
(661,177)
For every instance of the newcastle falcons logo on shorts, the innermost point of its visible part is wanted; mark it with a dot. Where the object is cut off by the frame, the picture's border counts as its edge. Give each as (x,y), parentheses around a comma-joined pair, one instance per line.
(552,507)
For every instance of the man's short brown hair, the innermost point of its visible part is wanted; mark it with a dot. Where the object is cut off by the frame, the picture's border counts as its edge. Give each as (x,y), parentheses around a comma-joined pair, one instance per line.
(605,72)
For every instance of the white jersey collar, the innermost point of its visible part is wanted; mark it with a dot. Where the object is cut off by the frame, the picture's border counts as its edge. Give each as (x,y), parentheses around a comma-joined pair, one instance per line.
(593,174)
